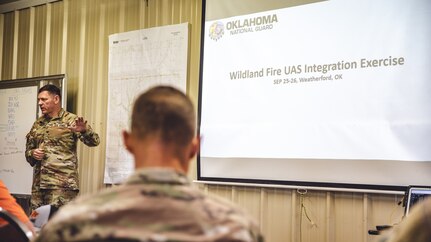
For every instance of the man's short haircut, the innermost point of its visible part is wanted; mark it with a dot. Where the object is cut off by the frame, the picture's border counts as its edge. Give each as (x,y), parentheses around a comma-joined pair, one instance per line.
(52,89)
(165,112)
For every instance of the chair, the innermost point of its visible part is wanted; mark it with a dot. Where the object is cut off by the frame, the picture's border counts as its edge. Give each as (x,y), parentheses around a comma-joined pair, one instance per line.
(40,216)
(15,231)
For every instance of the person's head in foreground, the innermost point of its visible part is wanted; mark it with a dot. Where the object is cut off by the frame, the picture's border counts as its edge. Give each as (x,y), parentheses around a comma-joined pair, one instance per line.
(416,227)
(157,202)
(162,130)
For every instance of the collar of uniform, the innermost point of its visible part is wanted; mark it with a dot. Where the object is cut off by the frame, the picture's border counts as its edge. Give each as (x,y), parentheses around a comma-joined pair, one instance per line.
(45,119)
(157,175)
(60,114)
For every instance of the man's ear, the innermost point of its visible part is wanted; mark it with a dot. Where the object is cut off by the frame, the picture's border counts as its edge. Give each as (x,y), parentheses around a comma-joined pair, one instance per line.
(190,152)
(127,139)
(56,99)
(195,145)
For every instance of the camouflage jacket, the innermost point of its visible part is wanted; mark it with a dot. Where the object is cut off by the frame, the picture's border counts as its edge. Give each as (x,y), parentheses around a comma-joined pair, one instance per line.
(59,168)
(155,204)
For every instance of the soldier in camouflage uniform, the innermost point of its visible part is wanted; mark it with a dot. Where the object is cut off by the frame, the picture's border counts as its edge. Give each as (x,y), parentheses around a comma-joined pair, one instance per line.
(51,150)
(157,203)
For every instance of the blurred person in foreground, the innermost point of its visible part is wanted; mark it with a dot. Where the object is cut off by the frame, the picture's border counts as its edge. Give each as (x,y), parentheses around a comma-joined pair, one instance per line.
(416,227)
(8,203)
(158,202)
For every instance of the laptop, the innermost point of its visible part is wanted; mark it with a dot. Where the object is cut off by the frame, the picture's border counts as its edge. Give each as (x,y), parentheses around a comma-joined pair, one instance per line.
(415,195)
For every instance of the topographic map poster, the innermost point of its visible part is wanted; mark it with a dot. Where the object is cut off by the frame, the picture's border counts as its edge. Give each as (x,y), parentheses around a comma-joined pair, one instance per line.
(139,60)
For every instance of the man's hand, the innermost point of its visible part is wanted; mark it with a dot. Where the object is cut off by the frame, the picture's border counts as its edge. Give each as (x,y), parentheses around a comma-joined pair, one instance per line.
(38,154)
(79,125)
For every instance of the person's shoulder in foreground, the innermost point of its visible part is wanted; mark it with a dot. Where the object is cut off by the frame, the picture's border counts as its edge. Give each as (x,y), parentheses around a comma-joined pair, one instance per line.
(157,203)
(416,227)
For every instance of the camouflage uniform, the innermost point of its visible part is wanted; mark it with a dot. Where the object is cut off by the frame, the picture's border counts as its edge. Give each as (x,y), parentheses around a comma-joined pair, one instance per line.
(55,177)
(154,204)
(416,227)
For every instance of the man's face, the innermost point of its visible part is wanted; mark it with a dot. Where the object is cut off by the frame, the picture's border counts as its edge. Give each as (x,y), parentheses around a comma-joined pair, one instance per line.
(48,103)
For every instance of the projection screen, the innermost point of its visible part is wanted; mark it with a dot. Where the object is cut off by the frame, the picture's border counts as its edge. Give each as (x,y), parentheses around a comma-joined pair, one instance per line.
(316,93)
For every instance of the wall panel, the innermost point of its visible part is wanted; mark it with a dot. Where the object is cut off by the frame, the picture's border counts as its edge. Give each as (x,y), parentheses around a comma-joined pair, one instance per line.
(23,46)
(39,40)
(73,46)
(71,37)
(56,39)
(2,32)
(8,38)
(92,104)
(131,11)
(277,214)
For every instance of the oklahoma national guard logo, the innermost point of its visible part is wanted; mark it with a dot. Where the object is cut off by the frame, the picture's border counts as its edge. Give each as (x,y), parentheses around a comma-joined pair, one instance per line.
(216,30)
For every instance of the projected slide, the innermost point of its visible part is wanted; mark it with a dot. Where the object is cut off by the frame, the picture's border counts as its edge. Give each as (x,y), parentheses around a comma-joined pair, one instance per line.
(333,81)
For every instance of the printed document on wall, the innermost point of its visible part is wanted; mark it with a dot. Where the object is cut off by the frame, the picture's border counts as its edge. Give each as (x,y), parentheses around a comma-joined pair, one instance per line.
(139,60)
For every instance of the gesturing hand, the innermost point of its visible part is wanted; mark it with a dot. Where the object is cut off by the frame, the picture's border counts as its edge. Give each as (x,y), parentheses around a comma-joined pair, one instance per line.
(79,125)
